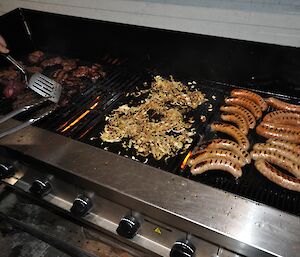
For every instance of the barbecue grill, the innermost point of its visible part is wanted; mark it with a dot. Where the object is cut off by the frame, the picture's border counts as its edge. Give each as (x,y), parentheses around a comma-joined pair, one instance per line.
(156,206)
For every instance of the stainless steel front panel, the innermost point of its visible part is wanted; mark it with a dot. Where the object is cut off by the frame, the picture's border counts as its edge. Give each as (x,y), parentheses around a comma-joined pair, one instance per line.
(227,220)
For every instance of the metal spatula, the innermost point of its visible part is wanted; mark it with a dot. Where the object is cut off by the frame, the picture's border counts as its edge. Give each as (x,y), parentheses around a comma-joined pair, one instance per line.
(39,83)
(45,87)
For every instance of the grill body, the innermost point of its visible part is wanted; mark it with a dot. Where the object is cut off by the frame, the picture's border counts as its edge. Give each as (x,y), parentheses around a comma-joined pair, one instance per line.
(178,207)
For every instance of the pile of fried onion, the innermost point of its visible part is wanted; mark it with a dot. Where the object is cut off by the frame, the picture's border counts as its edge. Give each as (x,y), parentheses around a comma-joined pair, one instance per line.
(156,125)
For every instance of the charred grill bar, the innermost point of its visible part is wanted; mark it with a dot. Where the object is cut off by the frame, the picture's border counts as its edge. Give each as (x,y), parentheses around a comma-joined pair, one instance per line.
(59,162)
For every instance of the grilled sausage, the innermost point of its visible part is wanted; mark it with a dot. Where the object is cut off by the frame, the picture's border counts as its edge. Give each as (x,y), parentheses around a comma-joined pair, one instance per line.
(219,163)
(242,111)
(246,103)
(274,133)
(283,117)
(289,154)
(238,119)
(276,176)
(282,127)
(288,145)
(229,145)
(281,105)
(250,95)
(215,153)
(278,160)
(232,131)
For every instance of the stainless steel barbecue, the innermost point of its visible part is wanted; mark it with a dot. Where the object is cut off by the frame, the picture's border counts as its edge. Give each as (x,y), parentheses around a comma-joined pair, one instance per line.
(156,206)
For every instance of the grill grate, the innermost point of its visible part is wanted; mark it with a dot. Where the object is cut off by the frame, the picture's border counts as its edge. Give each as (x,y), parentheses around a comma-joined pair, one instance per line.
(101,98)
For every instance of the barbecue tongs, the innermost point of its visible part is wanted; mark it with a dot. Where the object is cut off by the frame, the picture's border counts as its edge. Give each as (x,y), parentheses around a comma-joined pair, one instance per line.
(44,86)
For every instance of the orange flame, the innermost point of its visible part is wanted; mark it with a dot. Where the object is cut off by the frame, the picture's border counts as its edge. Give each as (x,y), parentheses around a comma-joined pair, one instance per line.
(183,164)
(80,117)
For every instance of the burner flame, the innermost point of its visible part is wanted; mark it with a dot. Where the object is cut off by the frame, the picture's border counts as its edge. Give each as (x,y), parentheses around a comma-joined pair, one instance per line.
(187,157)
(66,127)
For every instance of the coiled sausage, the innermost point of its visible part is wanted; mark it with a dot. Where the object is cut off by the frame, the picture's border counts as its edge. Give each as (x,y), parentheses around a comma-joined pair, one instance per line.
(281,105)
(246,103)
(219,163)
(283,117)
(250,95)
(232,131)
(269,132)
(242,111)
(238,119)
(214,153)
(288,145)
(229,145)
(276,176)
(278,160)
(287,153)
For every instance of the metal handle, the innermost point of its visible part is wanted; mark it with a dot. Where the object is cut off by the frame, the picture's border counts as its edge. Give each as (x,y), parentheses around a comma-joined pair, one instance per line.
(20,110)
(17,128)
(17,64)
(14,113)
(26,123)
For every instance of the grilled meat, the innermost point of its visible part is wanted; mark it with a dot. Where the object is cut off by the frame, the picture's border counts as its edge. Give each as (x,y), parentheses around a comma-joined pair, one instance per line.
(215,153)
(93,73)
(276,176)
(232,131)
(277,159)
(218,163)
(36,57)
(12,88)
(246,103)
(287,153)
(68,74)
(283,117)
(34,69)
(278,133)
(81,71)
(10,74)
(229,145)
(281,105)
(60,76)
(288,145)
(237,119)
(96,72)
(51,62)
(250,95)
(69,64)
(232,109)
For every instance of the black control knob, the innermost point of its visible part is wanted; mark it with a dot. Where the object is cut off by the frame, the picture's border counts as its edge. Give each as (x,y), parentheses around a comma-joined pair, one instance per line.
(128,227)
(183,248)
(81,205)
(40,187)
(7,170)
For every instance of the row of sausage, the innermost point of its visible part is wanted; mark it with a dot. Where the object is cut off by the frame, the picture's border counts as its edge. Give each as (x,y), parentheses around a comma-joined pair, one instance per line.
(281,127)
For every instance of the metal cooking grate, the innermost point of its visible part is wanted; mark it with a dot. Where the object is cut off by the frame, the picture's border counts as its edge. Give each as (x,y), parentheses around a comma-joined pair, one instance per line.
(101,98)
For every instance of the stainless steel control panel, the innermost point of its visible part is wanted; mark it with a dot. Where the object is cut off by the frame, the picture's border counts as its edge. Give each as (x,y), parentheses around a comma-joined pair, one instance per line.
(136,228)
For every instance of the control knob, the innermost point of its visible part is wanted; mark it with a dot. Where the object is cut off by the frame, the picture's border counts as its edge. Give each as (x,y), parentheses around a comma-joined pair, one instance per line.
(7,170)
(128,227)
(183,248)
(40,187)
(81,205)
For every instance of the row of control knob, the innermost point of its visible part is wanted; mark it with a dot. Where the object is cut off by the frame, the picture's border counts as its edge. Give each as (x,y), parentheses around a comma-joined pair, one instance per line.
(128,226)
